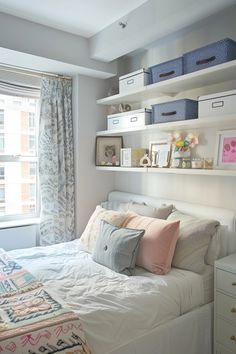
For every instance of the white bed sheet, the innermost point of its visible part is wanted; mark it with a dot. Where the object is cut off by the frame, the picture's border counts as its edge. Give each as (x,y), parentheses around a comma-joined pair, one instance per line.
(115,309)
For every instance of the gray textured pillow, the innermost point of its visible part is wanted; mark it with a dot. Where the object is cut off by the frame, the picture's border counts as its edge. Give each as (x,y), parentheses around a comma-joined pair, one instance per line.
(116,248)
(140,208)
(194,238)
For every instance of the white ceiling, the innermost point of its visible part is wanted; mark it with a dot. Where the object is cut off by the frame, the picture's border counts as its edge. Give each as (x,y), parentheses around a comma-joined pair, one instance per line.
(81,17)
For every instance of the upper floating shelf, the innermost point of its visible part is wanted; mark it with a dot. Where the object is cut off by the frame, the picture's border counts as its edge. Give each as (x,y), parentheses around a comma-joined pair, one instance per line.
(215,74)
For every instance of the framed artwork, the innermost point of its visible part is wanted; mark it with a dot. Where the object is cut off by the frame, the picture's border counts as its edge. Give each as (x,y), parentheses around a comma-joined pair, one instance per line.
(225,156)
(160,153)
(107,152)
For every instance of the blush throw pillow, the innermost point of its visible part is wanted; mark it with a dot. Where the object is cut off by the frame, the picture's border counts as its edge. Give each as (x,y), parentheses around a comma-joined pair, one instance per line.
(194,238)
(157,246)
(116,248)
(92,230)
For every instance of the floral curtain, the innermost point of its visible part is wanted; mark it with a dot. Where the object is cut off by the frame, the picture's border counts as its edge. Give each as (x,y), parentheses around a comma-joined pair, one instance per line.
(56,167)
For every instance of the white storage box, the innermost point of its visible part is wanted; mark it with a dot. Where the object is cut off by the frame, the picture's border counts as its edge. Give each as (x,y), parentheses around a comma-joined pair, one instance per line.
(134,81)
(131,157)
(131,119)
(221,103)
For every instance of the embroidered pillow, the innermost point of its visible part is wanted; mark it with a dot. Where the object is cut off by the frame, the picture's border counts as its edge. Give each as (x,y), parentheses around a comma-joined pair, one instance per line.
(194,238)
(91,232)
(157,246)
(116,248)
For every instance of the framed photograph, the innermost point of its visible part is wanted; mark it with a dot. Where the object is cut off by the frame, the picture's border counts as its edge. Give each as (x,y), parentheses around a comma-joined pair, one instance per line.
(225,156)
(107,152)
(160,153)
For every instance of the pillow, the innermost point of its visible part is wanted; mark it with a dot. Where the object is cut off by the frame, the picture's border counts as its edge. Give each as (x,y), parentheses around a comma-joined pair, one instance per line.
(194,238)
(116,248)
(218,245)
(91,232)
(140,208)
(157,246)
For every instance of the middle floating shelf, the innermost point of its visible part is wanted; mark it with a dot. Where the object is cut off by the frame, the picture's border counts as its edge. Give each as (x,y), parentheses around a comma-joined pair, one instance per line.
(225,122)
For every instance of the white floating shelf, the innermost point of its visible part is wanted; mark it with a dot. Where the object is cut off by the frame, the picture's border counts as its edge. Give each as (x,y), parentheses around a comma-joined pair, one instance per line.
(201,78)
(180,171)
(220,122)
(122,169)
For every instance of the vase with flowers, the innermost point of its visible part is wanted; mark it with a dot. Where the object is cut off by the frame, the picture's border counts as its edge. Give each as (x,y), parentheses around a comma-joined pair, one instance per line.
(182,146)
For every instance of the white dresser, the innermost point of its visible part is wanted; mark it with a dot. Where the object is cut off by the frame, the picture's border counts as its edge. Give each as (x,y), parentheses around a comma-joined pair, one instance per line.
(225,306)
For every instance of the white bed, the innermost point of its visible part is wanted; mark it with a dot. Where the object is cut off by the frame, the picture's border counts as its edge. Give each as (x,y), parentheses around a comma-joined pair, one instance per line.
(145,313)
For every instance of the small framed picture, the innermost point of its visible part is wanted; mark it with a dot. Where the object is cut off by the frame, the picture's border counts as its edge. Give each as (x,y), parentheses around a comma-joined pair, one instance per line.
(160,153)
(107,152)
(225,156)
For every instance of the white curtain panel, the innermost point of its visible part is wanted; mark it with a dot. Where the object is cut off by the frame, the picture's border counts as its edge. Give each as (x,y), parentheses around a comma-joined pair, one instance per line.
(56,162)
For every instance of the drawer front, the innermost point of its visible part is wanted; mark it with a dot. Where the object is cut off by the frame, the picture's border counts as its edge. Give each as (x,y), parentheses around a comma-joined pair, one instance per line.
(217,106)
(226,281)
(129,121)
(226,306)
(133,83)
(226,334)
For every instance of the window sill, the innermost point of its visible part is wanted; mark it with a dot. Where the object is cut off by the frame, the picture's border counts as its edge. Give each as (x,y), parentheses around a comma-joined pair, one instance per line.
(18,223)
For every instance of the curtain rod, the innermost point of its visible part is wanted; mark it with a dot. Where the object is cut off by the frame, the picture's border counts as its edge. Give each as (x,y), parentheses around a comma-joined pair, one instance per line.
(30,72)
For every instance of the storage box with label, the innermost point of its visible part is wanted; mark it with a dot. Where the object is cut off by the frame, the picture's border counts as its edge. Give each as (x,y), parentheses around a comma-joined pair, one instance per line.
(174,111)
(166,70)
(131,157)
(221,103)
(131,119)
(134,81)
(210,55)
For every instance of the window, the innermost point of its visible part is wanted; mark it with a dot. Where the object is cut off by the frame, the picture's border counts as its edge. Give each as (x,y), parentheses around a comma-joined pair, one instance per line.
(2,194)
(18,158)
(2,172)
(1,118)
(31,120)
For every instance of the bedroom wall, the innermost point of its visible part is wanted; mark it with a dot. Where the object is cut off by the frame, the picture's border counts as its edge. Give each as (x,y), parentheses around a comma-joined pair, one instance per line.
(215,191)
(91,186)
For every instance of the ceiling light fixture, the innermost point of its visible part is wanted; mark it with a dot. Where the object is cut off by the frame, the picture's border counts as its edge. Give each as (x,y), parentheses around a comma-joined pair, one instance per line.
(122,24)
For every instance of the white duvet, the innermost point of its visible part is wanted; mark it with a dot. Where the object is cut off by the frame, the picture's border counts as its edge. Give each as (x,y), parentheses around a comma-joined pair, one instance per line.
(115,309)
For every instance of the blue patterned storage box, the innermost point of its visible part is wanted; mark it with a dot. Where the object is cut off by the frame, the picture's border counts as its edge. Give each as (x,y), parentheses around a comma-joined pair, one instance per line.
(210,55)
(174,111)
(166,70)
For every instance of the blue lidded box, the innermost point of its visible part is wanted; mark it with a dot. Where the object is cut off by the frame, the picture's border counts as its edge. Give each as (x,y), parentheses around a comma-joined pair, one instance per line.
(210,55)
(174,111)
(166,70)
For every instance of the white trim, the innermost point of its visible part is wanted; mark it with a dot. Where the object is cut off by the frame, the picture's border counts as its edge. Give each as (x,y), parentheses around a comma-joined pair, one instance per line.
(19,223)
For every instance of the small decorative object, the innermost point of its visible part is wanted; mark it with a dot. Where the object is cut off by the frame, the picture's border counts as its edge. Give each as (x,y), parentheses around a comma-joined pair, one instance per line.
(112,109)
(108,150)
(160,153)
(131,157)
(208,163)
(182,145)
(176,163)
(112,91)
(145,161)
(124,107)
(186,163)
(197,163)
(226,149)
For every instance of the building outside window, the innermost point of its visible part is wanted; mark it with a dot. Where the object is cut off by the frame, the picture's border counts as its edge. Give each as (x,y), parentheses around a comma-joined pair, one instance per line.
(1,118)
(18,157)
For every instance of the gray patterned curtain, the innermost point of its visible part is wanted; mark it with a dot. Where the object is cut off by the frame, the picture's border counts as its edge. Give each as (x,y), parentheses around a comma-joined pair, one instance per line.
(56,167)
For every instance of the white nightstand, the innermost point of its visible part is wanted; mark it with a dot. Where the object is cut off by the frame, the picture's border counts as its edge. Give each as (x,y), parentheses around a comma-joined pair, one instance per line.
(225,306)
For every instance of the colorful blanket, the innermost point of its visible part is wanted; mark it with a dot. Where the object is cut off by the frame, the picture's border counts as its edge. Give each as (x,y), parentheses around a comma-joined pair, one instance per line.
(32,319)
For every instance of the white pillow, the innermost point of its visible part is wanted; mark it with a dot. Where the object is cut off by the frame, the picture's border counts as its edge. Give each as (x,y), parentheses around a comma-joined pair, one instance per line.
(218,245)
(91,232)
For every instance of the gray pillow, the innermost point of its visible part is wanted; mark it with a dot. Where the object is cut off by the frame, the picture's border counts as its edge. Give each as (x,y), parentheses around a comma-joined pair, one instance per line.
(194,238)
(143,209)
(116,248)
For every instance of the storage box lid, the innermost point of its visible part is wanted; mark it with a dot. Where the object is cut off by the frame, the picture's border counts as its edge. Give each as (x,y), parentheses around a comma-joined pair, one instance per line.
(140,71)
(129,113)
(213,96)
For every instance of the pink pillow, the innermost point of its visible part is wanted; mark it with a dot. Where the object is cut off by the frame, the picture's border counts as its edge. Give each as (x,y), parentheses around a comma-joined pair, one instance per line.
(157,246)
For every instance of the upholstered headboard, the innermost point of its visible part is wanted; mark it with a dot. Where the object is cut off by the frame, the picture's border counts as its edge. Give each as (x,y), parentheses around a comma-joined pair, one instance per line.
(224,216)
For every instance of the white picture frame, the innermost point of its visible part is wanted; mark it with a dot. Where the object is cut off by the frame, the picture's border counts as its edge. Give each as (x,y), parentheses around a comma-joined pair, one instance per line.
(225,153)
(160,153)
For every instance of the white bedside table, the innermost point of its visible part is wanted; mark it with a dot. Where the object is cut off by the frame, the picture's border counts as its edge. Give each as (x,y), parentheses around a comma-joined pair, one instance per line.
(225,306)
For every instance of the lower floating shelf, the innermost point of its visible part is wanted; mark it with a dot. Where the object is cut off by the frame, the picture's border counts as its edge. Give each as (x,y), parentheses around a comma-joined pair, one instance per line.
(181,171)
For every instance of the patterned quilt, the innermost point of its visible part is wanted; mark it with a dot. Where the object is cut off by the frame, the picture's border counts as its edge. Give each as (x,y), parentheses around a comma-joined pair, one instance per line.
(32,319)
